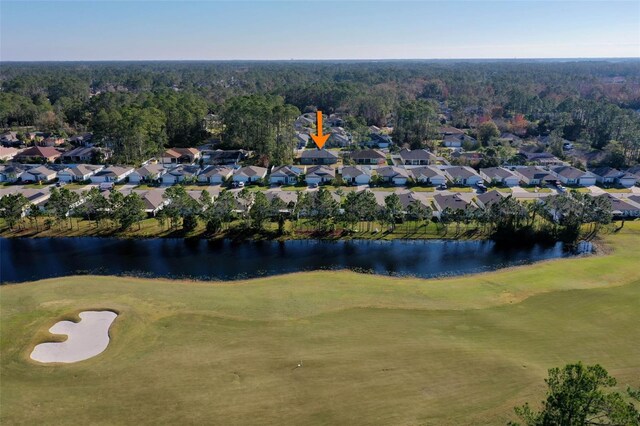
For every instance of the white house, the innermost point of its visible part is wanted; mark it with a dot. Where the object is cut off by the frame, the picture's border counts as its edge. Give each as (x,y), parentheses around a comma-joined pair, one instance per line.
(571,176)
(320,174)
(39,174)
(11,172)
(149,173)
(356,175)
(78,173)
(183,173)
(462,175)
(533,175)
(113,174)
(430,175)
(611,176)
(215,175)
(249,174)
(500,176)
(392,174)
(285,175)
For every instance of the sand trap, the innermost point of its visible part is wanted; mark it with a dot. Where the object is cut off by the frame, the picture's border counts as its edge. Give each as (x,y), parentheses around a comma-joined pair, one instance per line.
(87,338)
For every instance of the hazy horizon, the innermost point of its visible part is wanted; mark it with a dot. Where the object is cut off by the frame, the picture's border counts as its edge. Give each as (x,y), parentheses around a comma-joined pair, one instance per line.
(78,31)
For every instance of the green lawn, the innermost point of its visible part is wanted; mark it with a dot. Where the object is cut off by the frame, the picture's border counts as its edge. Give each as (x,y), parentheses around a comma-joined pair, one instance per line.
(375,350)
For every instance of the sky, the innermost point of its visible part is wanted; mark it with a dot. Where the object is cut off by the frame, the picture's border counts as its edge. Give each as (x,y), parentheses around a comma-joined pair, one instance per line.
(307,29)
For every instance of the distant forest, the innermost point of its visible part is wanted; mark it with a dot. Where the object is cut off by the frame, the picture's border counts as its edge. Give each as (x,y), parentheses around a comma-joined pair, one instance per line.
(140,108)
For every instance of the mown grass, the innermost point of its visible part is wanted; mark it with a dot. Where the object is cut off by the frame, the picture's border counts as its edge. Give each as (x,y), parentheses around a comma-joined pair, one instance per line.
(374,350)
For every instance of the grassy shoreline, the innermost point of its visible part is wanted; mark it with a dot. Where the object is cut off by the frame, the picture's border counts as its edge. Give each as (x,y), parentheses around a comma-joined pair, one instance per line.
(376,350)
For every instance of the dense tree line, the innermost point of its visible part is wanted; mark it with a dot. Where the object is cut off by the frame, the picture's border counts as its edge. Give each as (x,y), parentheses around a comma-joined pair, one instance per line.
(587,101)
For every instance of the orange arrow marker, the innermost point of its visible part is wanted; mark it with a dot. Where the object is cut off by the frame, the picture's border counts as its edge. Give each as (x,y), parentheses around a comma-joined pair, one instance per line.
(319,139)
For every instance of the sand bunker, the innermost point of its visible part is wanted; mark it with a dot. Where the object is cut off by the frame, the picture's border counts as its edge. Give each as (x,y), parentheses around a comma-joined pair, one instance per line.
(86,339)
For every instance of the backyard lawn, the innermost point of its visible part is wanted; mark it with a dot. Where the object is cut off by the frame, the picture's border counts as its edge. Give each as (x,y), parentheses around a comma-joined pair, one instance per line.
(371,349)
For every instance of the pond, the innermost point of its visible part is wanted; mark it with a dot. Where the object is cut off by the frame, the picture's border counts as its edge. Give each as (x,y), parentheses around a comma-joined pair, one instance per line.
(37,258)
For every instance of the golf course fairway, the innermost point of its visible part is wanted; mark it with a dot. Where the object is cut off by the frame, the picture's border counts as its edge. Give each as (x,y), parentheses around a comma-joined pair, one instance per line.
(324,347)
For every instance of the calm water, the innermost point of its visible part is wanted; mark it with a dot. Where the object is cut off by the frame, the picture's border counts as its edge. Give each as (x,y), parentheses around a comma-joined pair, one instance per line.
(31,259)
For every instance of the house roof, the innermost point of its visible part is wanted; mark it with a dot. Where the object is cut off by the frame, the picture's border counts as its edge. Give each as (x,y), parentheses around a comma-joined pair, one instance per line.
(533,172)
(354,171)
(287,196)
(81,151)
(82,169)
(321,171)
(427,171)
(635,170)
(179,152)
(40,151)
(150,170)
(490,197)
(416,154)
(216,171)
(251,171)
(41,170)
(289,171)
(319,153)
(463,172)
(607,172)
(571,172)
(406,198)
(367,154)
(453,202)
(11,168)
(449,130)
(184,171)
(113,171)
(392,172)
(498,172)
(4,151)
(618,204)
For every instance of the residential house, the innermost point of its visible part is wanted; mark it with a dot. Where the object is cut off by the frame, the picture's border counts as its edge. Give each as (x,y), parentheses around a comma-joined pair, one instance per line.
(153,201)
(86,154)
(569,175)
(500,176)
(182,173)
(450,202)
(320,174)
(83,139)
(180,156)
(369,156)
(149,173)
(635,170)
(11,172)
(449,130)
(408,198)
(215,175)
(113,174)
(302,139)
(39,153)
(534,175)
(540,158)
(52,141)
(289,198)
(7,154)
(10,139)
(37,197)
(611,176)
(416,157)
(249,174)
(462,175)
(221,157)
(510,138)
(318,156)
(623,208)
(486,199)
(392,174)
(379,140)
(305,120)
(356,175)
(285,175)
(430,175)
(78,173)
(339,137)
(39,174)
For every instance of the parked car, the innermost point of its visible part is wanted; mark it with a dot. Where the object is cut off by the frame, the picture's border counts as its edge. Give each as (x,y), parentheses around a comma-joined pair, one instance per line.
(106,186)
(313,185)
(442,187)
